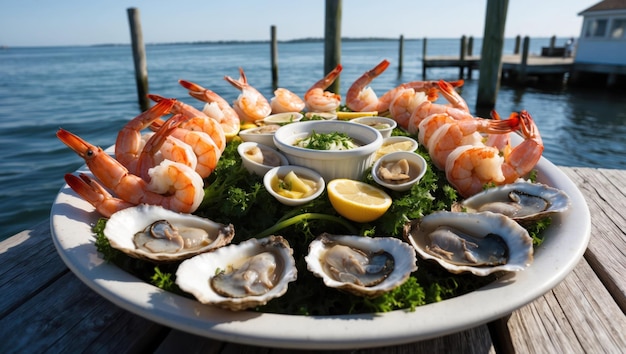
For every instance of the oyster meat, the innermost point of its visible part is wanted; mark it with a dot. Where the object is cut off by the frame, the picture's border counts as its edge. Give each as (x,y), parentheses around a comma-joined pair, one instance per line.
(521,201)
(242,276)
(263,156)
(361,265)
(394,171)
(151,232)
(480,243)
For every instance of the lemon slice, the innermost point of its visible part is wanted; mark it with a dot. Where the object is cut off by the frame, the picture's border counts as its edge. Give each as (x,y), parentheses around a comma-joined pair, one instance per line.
(231,129)
(357,201)
(352,115)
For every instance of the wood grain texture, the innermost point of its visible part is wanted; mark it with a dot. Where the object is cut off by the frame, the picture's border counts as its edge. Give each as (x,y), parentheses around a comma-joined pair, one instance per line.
(605,193)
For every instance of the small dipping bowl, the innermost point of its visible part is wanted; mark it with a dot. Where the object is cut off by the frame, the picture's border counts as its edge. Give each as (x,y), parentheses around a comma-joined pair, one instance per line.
(396,143)
(330,164)
(320,116)
(417,169)
(255,167)
(283,118)
(383,124)
(263,134)
(302,172)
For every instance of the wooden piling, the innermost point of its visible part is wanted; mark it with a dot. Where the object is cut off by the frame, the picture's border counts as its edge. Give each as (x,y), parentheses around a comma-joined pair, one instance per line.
(332,40)
(274,58)
(491,55)
(139,57)
(521,75)
(470,52)
(518,39)
(552,45)
(400,55)
(424,42)
(462,55)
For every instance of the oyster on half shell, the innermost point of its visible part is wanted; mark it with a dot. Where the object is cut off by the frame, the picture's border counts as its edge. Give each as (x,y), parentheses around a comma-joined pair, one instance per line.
(364,266)
(241,276)
(521,201)
(153,233)
(480,243)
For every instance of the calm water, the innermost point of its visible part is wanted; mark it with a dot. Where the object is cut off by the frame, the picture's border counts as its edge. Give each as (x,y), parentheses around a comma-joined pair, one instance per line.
(91,91)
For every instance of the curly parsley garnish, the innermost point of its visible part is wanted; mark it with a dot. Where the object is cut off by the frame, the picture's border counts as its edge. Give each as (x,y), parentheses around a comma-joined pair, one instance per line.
(327,141)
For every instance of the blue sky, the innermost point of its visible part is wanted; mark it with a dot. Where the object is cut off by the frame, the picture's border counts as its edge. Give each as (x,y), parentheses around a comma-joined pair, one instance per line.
(80,22)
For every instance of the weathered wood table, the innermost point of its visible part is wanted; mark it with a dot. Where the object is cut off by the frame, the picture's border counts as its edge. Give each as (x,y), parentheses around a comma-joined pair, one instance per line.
(44,307)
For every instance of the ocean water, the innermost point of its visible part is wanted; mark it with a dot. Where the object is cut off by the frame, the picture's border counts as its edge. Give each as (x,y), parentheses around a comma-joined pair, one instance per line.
(91,92)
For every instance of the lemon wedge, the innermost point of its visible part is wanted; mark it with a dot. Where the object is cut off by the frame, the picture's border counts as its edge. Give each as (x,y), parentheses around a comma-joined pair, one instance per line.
(231,129)
(357,201)
(352,115)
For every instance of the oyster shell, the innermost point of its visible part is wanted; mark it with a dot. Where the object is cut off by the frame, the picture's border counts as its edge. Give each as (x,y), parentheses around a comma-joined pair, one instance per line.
(240,276)
(480,243)
(153,233)
(522,201)
(361,265)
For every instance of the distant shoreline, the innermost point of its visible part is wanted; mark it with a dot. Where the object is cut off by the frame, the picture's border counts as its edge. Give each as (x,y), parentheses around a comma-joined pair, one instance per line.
(228,42)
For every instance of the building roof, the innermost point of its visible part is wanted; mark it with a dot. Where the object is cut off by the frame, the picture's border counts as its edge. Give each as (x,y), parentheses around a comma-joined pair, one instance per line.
(606,5)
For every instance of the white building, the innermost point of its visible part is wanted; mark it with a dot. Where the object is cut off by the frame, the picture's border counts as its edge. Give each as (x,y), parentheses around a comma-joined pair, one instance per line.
(601,47)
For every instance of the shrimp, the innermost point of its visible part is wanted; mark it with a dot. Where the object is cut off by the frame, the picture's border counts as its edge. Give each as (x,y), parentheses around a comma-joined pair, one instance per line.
(250,105)
(286,101)
(404,103)
(216,107)
(401,109)
(469,168)
(500,141)
(430,125)
(169,148)
(172,149)
(204,148)
(360,96)
(458,109)
(173,185)
(196,121)
(317,99)
(451,135)
(90,190)
(128,143)
(447,90)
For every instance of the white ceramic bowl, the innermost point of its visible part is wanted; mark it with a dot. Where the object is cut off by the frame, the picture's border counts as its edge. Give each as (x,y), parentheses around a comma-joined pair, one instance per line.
(417,169)
(303,172)
(253,166)
(283,118)
(260,134)
(376,122)
(330,164)
(404,143)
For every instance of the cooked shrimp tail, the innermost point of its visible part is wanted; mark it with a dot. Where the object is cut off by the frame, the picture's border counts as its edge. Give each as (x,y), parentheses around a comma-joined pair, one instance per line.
(216,108)
(448,91)
(128,142)
(360,96)
(524,156)
(197,121)
(250,105)
(146,158)
(317,99)
(95,194)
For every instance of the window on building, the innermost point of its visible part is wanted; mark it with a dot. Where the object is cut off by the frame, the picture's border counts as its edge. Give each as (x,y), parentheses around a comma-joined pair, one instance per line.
(618,28)
(596,28)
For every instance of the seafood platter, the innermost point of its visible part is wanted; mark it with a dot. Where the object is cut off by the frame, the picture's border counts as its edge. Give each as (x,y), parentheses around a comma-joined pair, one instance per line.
(286,222)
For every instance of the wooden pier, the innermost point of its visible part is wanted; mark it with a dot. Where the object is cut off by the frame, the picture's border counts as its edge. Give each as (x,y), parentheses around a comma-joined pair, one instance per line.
(514,67)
